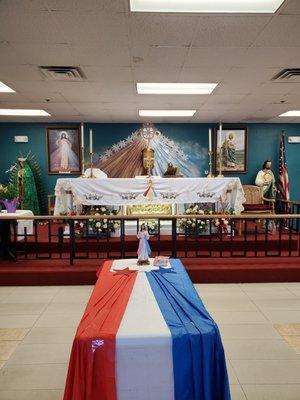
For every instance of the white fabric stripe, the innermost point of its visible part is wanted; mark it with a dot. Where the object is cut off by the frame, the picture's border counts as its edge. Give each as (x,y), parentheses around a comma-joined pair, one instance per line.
(144,365)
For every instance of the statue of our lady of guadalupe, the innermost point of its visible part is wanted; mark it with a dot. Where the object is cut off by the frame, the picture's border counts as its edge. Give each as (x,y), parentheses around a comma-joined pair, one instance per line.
(144,250)
(25,186)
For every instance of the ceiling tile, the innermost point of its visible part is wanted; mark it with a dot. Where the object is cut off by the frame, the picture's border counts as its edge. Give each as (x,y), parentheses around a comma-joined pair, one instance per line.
(90,29)
(86,5)
(175,30)
(211,56)
(162,56)
(30,27)
(230,31)
(283,30)
(101,55)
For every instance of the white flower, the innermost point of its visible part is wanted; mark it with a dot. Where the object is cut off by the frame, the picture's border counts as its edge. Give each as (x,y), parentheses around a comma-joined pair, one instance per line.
(217,223)
(225,222)
(105,220)
(202,223)
(196,207)
(91,220)
(201,212)
(97,209)
(100,229)
(188,210)
(193,224)
(116,226)
(98,224)
(97,214)
(210,212)
(81,224)
(223,219)
(104,225)
(189,222)
(103,209)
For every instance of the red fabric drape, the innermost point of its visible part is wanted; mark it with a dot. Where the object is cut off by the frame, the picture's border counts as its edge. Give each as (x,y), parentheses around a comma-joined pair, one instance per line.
(91,374)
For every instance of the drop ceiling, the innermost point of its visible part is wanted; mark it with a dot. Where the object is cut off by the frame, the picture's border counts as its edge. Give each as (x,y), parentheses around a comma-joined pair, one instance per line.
(115,49)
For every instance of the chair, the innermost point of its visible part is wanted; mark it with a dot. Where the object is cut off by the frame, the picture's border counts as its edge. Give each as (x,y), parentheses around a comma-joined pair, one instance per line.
(256,203)
(51,204)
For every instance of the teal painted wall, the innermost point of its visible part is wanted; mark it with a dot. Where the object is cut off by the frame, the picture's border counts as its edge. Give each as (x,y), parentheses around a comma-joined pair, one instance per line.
(263,143)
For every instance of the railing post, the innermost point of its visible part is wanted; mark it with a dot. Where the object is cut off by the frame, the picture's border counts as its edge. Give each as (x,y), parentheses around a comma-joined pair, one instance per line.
(122,234)
(72,240)
(174,238)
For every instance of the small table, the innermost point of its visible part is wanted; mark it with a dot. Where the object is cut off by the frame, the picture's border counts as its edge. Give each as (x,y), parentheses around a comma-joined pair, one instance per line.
(6,251)
(146,334)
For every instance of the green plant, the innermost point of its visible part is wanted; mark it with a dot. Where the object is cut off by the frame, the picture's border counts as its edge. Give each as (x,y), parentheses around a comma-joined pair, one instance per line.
(7,192)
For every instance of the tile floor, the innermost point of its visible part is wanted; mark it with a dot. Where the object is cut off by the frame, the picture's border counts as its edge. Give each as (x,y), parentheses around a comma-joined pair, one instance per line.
(259,323)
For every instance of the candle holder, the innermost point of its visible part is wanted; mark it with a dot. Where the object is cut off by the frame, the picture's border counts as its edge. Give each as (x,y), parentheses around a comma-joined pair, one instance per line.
(220,175)
(82,162)
(210,174)
(91,175)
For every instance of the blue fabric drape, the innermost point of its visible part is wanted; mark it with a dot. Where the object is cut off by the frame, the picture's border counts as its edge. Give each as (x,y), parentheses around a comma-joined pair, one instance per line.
(199,365)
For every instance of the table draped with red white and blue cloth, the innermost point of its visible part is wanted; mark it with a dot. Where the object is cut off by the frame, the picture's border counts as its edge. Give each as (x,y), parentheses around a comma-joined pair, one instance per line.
(146,335)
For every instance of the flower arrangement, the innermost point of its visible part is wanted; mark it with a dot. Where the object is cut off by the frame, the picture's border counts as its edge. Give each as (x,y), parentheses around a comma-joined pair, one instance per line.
(78,225)
(190,224)
(7,192)
(222,223)
(103,225)
(152,225)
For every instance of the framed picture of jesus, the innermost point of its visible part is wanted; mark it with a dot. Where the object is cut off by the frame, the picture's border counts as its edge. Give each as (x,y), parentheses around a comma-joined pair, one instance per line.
(234,150)
(63,148)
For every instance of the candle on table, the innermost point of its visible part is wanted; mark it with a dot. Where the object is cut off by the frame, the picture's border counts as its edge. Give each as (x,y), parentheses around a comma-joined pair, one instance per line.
(209,140)
(91,141)
(82,135)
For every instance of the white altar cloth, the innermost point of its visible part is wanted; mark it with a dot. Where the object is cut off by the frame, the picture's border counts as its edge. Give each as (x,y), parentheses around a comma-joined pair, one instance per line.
(125,191)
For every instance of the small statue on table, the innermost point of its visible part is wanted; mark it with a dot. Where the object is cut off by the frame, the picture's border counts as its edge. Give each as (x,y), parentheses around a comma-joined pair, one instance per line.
(172,171)
(144,250)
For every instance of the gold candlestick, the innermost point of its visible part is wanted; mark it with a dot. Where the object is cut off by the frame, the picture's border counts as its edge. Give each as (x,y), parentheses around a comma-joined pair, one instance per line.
(91,166)
(82,161)
(220,175)
(210,175)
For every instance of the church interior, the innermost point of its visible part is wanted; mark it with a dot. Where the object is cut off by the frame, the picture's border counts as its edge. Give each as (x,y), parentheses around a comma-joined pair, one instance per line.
(149,200)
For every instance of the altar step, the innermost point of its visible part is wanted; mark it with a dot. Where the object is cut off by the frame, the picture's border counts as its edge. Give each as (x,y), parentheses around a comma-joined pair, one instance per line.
(201,270)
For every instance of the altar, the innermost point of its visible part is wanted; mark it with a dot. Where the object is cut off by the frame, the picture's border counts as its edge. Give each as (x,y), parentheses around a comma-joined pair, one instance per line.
(224,193)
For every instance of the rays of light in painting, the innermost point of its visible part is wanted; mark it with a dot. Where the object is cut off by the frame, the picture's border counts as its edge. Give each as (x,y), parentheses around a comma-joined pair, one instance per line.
(124,159)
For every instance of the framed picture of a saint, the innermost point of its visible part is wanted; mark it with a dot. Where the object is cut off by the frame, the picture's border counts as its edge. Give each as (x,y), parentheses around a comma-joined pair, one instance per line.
(233,145)
(63,147)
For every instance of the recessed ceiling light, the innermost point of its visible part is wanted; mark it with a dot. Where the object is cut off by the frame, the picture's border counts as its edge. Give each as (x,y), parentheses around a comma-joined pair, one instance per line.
(5,89)
(175,88)
(295,113)
(21,112)
(206,6)
(166,113)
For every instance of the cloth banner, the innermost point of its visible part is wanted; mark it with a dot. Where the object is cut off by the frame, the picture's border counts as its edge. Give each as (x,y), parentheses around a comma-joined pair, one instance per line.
(146,335)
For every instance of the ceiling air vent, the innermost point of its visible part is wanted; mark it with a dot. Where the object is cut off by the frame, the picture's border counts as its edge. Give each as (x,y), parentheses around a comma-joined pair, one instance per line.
(59,73)
(288,75)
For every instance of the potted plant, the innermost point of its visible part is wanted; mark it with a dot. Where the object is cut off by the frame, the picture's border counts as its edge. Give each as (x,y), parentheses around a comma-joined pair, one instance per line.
(8,198)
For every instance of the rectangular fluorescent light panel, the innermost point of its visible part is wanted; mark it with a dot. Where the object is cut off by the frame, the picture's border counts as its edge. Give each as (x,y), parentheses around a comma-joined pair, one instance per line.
(5,89)
(175,88)
(21,112)
(166,113)
(205,6)
(295,113)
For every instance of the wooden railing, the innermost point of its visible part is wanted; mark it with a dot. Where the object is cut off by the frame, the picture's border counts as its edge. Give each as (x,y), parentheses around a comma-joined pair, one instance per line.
(53,237)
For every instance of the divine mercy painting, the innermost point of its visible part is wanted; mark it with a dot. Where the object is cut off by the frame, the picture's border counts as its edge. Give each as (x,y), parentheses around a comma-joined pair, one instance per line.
(64,151)
(234,150)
